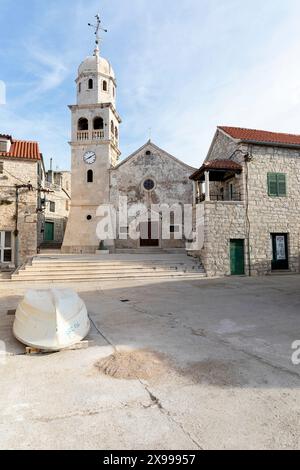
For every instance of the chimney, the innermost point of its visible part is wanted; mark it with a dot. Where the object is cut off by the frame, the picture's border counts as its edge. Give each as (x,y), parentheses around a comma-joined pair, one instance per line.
(5,143)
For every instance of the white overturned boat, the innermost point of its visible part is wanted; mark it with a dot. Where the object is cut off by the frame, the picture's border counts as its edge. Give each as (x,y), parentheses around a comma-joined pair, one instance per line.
(51,320)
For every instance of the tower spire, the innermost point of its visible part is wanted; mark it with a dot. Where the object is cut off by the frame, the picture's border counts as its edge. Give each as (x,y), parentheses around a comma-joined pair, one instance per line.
(97,27)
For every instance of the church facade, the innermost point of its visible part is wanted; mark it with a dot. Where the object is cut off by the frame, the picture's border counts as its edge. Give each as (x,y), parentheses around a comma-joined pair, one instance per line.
(150,176)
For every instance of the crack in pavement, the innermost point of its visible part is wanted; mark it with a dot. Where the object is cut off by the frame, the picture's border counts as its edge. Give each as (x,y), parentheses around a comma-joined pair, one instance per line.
(218,338)
(155,401)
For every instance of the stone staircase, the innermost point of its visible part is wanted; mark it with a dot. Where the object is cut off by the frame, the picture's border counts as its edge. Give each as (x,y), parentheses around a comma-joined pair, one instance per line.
(81,268)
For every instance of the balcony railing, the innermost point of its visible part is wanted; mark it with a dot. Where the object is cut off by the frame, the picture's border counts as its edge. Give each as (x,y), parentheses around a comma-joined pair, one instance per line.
(98,135)
(86,135)
(219,197)
(83,135)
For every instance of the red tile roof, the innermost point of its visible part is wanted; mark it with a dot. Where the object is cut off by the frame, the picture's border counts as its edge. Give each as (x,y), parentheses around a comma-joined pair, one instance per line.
(254,135)
(23,149)
(226,165)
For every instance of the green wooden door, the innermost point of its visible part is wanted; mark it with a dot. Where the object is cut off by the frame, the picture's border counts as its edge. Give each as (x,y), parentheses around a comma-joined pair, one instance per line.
(237,257)
(49,232)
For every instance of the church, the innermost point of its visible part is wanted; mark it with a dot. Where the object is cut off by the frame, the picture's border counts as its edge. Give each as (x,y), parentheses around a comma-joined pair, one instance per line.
(148,176)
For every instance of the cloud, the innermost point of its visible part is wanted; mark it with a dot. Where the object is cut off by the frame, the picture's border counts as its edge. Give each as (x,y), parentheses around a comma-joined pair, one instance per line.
(182,68)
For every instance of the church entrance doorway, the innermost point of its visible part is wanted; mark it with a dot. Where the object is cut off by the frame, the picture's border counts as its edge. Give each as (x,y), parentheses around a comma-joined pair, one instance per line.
(149,234)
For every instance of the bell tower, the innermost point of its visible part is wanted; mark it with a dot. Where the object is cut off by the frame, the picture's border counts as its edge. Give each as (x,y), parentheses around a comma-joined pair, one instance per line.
(95,148)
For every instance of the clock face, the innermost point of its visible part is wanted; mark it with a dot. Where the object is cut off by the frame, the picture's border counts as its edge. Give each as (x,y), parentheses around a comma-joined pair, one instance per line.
(89,158)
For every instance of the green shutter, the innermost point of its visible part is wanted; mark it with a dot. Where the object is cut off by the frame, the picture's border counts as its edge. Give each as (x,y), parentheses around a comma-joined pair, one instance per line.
(281,184)
(277,184)
(272,184)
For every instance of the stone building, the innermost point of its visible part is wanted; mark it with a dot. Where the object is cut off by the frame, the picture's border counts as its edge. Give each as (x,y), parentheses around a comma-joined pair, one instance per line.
(152,177)
(148,176)
(21,176)
(57,207)
(247,198)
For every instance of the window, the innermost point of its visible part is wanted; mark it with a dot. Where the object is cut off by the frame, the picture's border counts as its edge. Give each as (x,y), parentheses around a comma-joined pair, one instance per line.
(91,84)
(90,176)
(148,153)
(277,184)
(104,85)
(1,168)
(52,206)
(79,88)
(112,127)
(149,184)
(5,247)
(3,146)
(114,92)
(67,205)
(116,132)
(89,217)
(98,123)
(83,124)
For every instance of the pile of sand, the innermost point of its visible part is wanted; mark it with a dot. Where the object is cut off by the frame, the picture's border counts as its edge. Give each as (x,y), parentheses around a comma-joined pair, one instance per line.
(131,365)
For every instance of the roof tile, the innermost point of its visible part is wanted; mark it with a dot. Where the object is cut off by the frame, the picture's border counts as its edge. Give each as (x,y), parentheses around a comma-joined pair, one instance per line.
(23,149)
(254,135)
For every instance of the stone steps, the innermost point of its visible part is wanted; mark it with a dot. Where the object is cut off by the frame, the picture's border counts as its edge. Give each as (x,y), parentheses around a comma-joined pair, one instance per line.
(85,268)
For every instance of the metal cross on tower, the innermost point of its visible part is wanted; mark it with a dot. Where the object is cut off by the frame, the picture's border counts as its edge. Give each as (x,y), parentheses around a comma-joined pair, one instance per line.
(97,27)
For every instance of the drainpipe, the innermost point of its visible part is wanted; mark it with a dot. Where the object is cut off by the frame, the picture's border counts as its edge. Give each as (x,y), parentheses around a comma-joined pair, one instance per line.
(248,159)
(16,232)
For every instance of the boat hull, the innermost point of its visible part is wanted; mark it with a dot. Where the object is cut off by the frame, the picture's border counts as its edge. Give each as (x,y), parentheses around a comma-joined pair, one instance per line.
(51,320)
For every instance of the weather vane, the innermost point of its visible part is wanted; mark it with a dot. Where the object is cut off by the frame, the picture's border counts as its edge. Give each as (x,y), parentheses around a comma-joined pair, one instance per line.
(97,27)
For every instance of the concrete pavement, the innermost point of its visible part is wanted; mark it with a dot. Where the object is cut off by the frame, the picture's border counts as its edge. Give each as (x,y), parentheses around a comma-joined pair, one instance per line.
(230,382)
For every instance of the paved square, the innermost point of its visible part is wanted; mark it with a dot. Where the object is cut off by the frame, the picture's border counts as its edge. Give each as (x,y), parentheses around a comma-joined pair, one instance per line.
(230,382)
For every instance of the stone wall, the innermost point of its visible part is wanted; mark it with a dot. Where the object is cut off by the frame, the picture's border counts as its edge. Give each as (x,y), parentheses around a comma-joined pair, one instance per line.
(259,215)
(223,221)
(18,171)
(269,215)
(61,190)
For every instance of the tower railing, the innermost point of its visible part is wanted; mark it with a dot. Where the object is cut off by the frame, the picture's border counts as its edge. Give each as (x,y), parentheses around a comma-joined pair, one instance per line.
(83,135)
(86,135)
(98,135)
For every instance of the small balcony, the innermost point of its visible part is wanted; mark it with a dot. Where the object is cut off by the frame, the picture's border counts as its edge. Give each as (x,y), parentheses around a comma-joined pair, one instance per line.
(218,181)
(233,196)
(98,135)
(83,135)
(86,135)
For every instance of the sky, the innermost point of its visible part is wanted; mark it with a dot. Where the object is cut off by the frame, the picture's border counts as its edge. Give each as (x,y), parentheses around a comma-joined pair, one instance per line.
(183,68)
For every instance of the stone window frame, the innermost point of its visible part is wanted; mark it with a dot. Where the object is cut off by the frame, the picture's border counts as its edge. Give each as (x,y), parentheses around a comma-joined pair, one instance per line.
(52,207)
(149,178)
(4,247)
(277,179)
(105,86)
(1,168)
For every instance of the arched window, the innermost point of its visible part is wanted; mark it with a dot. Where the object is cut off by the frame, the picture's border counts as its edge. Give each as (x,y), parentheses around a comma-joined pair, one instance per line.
(90,176)
(98,123)
(104,86)
(116,132)
(83,124)
(79,87)
(91,84)
(112,127)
